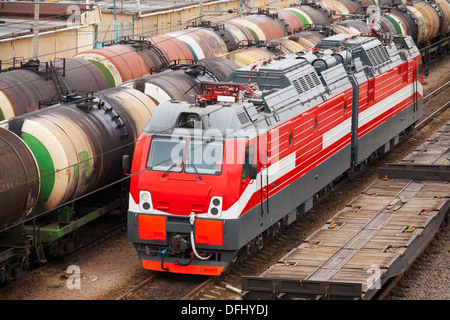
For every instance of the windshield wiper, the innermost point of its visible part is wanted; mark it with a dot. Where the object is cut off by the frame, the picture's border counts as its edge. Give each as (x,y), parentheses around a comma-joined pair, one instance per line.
(165,172)
(193,166)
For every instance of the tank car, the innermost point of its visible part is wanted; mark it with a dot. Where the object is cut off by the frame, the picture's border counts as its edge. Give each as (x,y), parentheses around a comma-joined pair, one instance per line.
(212,179)
(181,81)
(40,84)
(19,179)
(75,144)
(52,161)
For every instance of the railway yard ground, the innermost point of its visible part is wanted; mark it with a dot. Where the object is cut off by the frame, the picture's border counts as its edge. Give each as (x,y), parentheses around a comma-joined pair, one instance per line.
(110,268)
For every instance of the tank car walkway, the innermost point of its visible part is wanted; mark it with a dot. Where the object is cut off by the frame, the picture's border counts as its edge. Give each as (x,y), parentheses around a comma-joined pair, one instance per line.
(373,239)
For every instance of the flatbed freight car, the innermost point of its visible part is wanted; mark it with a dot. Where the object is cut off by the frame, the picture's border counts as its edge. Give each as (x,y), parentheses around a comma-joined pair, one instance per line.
(373,239)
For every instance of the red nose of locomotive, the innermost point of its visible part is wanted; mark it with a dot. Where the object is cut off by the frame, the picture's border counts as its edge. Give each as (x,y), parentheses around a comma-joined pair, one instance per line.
(177,199)
(181,176)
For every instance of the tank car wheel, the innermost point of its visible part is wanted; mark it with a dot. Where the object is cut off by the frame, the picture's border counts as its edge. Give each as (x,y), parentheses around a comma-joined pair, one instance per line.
(2,275)
(53,249)
(17,271)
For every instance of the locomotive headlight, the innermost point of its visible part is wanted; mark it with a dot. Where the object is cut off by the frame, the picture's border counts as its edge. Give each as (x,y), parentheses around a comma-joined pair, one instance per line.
(145,196)
(215,207)
(145,201)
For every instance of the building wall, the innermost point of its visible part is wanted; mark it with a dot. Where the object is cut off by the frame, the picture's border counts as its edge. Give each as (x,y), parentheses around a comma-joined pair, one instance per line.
(65,41)
(51,46)
(153,23)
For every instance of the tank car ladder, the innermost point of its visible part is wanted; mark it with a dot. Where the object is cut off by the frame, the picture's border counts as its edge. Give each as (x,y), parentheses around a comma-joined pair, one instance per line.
(63,89)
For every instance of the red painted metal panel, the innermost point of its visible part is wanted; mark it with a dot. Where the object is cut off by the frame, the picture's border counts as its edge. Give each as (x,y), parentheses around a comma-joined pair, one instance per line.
(173,48)
(293,22)
(129,64)
(209,232)
(152,227)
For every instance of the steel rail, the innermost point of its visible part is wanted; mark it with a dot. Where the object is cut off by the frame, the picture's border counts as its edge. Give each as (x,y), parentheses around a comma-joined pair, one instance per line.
(439,110)
(437,90)
(99,237)
(135,288)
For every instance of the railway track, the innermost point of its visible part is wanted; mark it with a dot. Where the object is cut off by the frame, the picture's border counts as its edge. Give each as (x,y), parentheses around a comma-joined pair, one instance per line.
(92,235)
(428,117)
(164,286)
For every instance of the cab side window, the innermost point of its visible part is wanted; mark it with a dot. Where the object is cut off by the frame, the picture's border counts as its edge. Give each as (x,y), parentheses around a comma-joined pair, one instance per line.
(420,67)
(248,160)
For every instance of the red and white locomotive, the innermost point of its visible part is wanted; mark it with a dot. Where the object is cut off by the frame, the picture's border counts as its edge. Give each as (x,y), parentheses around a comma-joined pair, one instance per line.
(213,178)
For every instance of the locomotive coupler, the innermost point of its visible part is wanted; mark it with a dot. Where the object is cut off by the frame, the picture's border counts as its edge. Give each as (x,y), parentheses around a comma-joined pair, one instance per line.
(179,245)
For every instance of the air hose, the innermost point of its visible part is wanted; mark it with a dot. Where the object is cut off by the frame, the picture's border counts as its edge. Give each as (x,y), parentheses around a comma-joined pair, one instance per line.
(192,221)
(164,252)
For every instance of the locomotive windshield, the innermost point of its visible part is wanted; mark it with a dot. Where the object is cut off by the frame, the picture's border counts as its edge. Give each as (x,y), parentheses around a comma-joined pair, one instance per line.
(202,157)
(166,154)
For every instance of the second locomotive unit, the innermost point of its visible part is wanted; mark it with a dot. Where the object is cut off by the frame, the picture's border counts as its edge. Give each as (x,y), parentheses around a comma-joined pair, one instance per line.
(211,179)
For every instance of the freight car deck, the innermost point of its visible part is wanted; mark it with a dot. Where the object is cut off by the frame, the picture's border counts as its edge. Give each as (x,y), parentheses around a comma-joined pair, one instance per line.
(373,239)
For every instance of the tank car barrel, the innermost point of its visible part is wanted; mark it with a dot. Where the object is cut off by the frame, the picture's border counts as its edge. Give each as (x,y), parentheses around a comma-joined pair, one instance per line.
(79,146)
(19,179)
(25,90)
